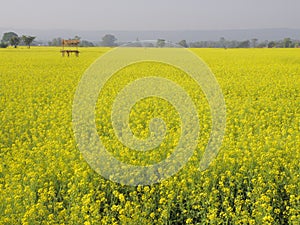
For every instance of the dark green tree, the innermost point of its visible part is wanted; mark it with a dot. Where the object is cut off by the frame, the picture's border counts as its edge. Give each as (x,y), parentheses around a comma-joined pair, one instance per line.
(271,44)
(15,41)
(28,40)
(287,42)
(254,42)
(7,36)
(109,40)
(161,43)
(244,44)
(183,43)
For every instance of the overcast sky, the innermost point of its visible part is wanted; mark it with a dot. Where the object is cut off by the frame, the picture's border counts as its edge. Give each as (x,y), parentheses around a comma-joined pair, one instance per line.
(150,14)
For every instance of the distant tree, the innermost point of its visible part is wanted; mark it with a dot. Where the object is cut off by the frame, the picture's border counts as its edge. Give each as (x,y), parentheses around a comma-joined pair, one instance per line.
(160,43)
(244,44)
(195,44)
(148,45)
(233,44)
(266,43)
(279,44)
(137,44)
(271,44)
(254,42)
(262,45)
(287,43)
(200,44)
(85,43)
(28,40)
(223,42)
(183,43)
(7,36)
(109,40)
(77,37)
(15,41)
(55,42)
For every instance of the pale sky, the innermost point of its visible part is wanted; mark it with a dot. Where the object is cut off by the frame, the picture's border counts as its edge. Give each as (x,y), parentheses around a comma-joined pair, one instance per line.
(149,14)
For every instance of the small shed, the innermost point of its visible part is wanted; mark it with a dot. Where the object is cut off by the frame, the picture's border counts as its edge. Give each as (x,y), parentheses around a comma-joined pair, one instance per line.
(70,46)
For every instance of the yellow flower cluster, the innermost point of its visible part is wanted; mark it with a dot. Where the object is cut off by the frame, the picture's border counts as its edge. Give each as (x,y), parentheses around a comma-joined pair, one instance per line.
(254,179)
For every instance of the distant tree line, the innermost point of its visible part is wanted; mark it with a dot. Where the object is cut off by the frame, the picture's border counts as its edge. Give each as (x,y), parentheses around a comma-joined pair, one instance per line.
(109,40)
(253,43)
(83,43)
(13,39)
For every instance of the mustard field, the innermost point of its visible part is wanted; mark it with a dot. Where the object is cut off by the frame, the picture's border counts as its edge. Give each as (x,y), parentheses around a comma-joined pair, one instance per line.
(45,179)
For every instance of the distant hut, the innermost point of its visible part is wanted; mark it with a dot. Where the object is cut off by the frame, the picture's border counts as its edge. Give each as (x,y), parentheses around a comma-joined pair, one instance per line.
(69,47)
